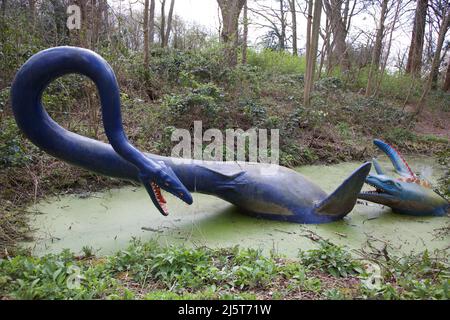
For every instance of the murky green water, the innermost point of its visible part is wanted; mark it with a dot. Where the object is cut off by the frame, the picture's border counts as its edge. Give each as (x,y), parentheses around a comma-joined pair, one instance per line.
(107,221)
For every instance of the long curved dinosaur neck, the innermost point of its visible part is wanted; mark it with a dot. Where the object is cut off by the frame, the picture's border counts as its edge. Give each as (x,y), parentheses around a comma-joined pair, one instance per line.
(33,120)
(26,93)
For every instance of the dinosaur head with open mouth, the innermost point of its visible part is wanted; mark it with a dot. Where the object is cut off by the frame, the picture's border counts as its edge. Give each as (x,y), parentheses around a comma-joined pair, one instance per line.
(158,177)
(407,194)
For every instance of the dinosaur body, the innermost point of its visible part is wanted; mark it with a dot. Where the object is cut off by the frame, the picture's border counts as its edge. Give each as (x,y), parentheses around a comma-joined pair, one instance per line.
(285,195)
(407,194)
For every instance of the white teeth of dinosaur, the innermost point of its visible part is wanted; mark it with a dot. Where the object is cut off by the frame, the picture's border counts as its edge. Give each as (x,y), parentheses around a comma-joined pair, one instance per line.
(377,189)
(159,197)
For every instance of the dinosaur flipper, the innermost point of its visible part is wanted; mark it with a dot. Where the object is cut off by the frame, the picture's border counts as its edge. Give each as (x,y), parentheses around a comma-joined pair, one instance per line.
(343,199)
(400,165)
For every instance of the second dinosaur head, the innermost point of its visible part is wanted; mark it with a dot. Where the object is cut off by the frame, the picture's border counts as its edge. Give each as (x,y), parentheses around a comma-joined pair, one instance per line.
(407,194)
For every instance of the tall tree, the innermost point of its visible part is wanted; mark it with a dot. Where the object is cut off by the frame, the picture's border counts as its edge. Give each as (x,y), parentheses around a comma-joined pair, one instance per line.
(169,24)
(230,11)
(292,6)
(326,49)
(245,34)
(151,23)
(376,52)
(437,53)
(339,14)
(312,47)
(146,39)
(162,30)
(96,21)
(389,44)
(441,9)
(105,25)
(4,7)
(436,58)
(275,19)
(283,26)
(83,32)
(446,86)
(309,18)
(414,64)
(32,5)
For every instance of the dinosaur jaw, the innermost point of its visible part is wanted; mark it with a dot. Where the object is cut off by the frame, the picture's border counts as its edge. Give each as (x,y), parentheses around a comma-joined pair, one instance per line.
(161,201)
(378,195)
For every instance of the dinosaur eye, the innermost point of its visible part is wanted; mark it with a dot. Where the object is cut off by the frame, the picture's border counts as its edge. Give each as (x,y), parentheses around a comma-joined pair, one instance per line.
(167,184)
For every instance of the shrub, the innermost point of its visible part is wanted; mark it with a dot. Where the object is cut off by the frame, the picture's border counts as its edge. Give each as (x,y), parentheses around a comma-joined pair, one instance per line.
(332,259)
(329,83)
(256,113)
(200,103)
(276,61)
(52,277)
(400,136)
(12,150)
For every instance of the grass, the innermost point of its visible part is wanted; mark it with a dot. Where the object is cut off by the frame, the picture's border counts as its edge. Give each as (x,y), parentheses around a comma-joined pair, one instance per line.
(150,271)
(277,62)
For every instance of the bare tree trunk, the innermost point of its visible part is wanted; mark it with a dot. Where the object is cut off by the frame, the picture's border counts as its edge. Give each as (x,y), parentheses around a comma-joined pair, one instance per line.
(324,52)
(219,18)
(436,58)
(230,10)
(105,23)
(4,7)
(146,5)
(169,24)
(292,5)
(338,22)
(245,34)
(389,45)
(437,54)
(309,30)
(97,8)
(312,54)
(414,63)
(376,53)
(322,59)
(83,32)
(446,86)
(32,5)
(151,23)
(163,23)
(328,47)
(315,35)
(91,6)
(282,44)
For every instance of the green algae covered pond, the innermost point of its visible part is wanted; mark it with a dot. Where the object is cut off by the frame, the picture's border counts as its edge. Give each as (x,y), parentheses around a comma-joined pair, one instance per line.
(107,221)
